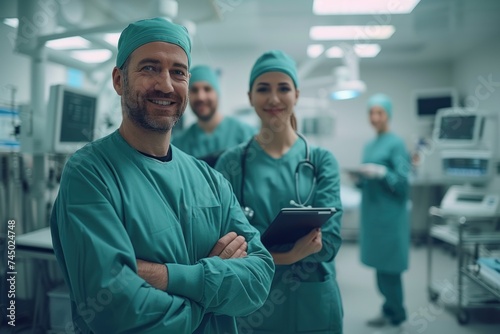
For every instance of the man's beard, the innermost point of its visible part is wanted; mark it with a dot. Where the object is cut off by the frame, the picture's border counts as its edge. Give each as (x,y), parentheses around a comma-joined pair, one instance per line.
(207,117)
(137,111)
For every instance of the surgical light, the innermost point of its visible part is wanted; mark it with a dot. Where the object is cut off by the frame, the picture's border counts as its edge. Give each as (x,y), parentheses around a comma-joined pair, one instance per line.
(347,85)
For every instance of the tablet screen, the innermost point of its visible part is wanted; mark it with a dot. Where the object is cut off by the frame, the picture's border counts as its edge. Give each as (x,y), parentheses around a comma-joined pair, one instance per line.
(293,223)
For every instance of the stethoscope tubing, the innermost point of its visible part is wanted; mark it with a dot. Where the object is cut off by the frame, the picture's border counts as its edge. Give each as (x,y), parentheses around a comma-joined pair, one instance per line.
(306,162)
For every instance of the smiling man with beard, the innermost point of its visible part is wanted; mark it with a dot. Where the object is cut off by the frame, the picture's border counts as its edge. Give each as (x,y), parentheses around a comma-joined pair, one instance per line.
(213,133)
(149,239)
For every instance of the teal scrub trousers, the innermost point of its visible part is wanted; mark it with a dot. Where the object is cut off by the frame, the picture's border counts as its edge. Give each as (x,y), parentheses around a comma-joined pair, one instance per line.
(390,286)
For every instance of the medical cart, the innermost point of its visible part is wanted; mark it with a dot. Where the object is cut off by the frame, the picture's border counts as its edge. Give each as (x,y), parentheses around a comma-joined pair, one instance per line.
(473,237)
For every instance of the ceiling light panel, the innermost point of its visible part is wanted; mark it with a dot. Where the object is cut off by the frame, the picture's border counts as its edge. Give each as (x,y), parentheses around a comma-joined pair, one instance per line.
(367,50)
(367,32)
(12,22)
(69,43)
(335,52)
(361,50)
(363,7)
(315,50)
(92,56)
(112,38)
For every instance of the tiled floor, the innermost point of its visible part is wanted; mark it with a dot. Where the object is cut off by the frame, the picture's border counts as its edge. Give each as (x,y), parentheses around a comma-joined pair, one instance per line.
(362,301)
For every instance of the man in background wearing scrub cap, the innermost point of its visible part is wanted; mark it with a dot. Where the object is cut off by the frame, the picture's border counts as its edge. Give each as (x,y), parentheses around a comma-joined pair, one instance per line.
(151,240)
(385,231)
(213,132)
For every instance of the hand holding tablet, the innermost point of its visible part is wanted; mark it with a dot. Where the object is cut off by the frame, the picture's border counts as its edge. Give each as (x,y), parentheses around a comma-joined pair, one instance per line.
(293,223)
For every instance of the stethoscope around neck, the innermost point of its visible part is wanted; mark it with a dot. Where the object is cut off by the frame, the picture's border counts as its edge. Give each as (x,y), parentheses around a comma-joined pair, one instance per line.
(306,163)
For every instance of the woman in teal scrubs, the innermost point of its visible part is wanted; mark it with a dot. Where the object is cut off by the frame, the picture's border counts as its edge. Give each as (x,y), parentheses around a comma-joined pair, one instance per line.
(384,216)
(304,296)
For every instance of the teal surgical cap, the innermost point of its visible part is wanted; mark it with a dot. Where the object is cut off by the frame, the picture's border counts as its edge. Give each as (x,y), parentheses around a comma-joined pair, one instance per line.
(382,101)
(206,74)
(274,61)
(151,30)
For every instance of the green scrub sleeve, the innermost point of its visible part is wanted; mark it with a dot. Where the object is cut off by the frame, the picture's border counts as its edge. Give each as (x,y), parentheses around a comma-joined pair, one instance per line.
(98,259)
(328,195)
(233,287)
(396,179)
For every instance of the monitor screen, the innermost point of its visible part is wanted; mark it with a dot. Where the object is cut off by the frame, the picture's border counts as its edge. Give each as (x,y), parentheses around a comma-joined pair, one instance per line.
(72,115)
(461,166)
(428,106)
(78,117)
(465,167)
(457,127)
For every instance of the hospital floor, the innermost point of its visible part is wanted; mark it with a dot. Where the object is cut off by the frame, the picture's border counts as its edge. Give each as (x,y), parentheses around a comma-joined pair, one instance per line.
(362,301)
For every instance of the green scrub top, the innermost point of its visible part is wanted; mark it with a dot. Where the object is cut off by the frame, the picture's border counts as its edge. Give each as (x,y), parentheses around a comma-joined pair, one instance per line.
(115,205)
(196,142)
(304,297)
(385,231)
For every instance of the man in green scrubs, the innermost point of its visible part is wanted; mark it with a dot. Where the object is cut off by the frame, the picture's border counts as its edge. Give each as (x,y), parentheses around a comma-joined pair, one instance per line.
(213,132)
(385,231)
(151,240)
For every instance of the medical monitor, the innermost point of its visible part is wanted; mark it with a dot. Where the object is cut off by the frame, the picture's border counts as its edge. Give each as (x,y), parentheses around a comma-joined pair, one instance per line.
(72,115)
(429,101)
(458,128)
(467,166)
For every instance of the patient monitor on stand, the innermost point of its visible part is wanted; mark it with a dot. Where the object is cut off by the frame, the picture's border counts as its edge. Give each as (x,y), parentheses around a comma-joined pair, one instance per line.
(468,150)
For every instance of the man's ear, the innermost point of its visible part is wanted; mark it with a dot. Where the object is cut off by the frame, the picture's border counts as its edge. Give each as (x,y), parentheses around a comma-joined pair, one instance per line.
(118,80)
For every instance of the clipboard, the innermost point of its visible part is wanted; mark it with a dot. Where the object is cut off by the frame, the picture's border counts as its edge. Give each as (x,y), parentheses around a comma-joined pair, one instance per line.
(293,223)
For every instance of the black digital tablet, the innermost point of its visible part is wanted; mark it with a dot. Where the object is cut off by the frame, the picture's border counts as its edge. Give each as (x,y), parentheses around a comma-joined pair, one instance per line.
(293,223)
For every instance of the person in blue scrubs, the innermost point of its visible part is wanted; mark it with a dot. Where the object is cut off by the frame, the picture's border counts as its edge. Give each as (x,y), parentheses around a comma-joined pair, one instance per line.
(385,231)
(213,132)
(269,173)
(150,239)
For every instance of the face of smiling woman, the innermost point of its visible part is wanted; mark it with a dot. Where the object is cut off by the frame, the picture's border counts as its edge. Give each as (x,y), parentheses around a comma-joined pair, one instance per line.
(153,85)
(273,96)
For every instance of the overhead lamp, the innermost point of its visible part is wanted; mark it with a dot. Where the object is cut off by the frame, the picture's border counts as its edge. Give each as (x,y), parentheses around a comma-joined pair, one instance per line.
(68,43)
(11,22)
(347,84)
(361,50)
(92,56)
(315,50)
(334,52)
(363,7)
(112,38)
(351,32)
(343,83)
(367,50)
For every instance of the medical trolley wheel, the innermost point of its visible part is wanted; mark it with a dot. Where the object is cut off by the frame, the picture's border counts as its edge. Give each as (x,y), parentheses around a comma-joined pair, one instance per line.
(463,317)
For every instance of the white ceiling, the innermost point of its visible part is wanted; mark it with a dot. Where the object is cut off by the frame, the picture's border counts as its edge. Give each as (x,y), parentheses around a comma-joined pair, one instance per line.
(436,30)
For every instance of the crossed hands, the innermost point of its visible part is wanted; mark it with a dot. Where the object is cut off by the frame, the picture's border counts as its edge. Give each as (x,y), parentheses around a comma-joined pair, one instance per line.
(230,246)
